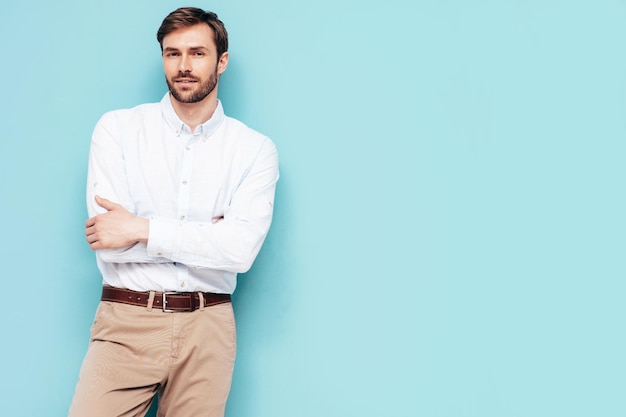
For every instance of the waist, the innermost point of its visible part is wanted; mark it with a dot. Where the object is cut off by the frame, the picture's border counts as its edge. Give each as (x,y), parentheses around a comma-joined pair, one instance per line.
(166,276)
(167,301)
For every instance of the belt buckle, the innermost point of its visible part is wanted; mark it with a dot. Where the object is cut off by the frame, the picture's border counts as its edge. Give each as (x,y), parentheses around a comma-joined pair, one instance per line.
(167,310)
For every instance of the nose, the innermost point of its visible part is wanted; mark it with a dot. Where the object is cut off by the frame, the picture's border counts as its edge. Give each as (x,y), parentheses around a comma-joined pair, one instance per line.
(184,65)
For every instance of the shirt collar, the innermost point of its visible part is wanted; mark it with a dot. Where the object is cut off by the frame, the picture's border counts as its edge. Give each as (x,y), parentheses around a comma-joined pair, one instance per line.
(205,129)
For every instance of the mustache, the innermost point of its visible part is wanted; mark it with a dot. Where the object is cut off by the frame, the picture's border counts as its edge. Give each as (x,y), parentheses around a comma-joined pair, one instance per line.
(185,76)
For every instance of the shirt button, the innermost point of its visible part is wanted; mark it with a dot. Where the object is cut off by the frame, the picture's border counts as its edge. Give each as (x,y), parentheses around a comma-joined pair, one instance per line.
(182,217)
(182,285)
(184,182)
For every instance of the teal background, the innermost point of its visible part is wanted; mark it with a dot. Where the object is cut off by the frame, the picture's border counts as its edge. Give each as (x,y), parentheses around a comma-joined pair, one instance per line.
(449,231)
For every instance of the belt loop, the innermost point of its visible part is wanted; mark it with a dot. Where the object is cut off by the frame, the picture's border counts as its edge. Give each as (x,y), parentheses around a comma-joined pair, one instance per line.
(150,301)
(201,296)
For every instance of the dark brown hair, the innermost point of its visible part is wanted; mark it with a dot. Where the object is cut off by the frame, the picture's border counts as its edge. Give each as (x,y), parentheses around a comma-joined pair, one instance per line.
(185,17)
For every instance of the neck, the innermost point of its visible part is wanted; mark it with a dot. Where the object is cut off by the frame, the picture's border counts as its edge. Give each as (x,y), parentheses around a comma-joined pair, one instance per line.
(194,114)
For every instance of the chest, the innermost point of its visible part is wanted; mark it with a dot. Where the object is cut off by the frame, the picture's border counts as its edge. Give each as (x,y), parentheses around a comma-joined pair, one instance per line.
(170,175)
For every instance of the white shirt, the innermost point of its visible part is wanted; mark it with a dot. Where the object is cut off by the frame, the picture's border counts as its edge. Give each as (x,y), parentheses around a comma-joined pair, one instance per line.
(148,160)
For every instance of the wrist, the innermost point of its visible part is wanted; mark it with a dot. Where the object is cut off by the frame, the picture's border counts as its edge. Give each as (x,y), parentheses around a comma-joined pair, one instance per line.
(143,229)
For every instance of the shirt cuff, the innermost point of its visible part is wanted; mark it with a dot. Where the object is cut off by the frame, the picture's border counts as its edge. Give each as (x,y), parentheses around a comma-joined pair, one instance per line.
(162,237)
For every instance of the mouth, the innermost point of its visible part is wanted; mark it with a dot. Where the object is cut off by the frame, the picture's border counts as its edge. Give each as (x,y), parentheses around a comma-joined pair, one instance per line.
(185,80)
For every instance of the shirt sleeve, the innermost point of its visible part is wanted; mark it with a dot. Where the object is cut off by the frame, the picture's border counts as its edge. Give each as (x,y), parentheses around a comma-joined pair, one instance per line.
(106,177)
(233,243)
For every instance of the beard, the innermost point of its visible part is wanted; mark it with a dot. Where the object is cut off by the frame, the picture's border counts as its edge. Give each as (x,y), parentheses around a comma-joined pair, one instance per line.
(193,93)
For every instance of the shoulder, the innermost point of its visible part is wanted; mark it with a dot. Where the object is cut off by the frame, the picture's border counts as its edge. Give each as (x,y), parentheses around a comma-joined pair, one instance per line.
(245,136)
(131,115)
(116,125)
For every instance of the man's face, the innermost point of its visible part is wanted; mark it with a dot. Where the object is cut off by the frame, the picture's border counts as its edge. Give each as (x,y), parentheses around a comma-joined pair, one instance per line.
(191,64)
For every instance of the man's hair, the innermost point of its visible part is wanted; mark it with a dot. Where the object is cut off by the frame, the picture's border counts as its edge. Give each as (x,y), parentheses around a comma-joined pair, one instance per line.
(185,17)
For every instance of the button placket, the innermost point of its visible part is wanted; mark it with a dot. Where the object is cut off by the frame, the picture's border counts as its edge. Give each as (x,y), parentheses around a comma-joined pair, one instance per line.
(184,191)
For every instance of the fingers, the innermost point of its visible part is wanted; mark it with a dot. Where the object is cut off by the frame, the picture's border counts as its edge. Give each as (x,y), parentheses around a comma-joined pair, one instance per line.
(107,204)
(95,245)
(90,222)
(102,231)
(91,238)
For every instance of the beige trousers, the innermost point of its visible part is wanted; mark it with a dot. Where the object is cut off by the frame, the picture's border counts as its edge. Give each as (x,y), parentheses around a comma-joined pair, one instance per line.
(137,352)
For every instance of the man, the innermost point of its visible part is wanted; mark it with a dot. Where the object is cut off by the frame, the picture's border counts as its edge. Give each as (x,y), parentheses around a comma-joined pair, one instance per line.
(180,200)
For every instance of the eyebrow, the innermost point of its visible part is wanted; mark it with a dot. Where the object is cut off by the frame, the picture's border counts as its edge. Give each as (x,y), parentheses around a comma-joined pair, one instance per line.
(193,48)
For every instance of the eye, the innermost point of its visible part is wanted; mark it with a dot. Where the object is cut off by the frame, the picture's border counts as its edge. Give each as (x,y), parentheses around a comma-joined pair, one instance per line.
(199,53)
(171,54)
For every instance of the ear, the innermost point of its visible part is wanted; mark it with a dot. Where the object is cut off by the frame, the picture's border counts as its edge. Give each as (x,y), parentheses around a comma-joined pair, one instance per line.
(222,63)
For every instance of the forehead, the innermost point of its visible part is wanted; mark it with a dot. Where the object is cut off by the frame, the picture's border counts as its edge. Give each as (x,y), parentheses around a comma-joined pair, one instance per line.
(196,36)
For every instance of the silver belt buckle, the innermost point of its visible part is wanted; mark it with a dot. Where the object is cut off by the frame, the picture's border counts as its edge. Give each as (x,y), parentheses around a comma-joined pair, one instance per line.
(165,294)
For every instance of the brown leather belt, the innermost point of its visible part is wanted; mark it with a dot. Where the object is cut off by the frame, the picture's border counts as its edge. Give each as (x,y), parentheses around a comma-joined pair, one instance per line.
(167,301)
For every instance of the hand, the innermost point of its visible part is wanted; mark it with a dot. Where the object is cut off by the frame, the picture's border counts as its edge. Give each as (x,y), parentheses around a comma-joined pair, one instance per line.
(117,228)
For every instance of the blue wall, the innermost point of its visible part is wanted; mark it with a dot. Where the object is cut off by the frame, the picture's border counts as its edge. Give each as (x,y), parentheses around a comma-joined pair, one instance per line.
(449,228)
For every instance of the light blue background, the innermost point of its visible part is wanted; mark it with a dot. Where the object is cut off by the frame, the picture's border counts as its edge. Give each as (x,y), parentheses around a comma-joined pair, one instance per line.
(449,232)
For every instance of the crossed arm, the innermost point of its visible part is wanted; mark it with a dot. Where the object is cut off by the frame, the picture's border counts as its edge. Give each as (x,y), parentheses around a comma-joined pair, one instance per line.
(117,227)
(119,234)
